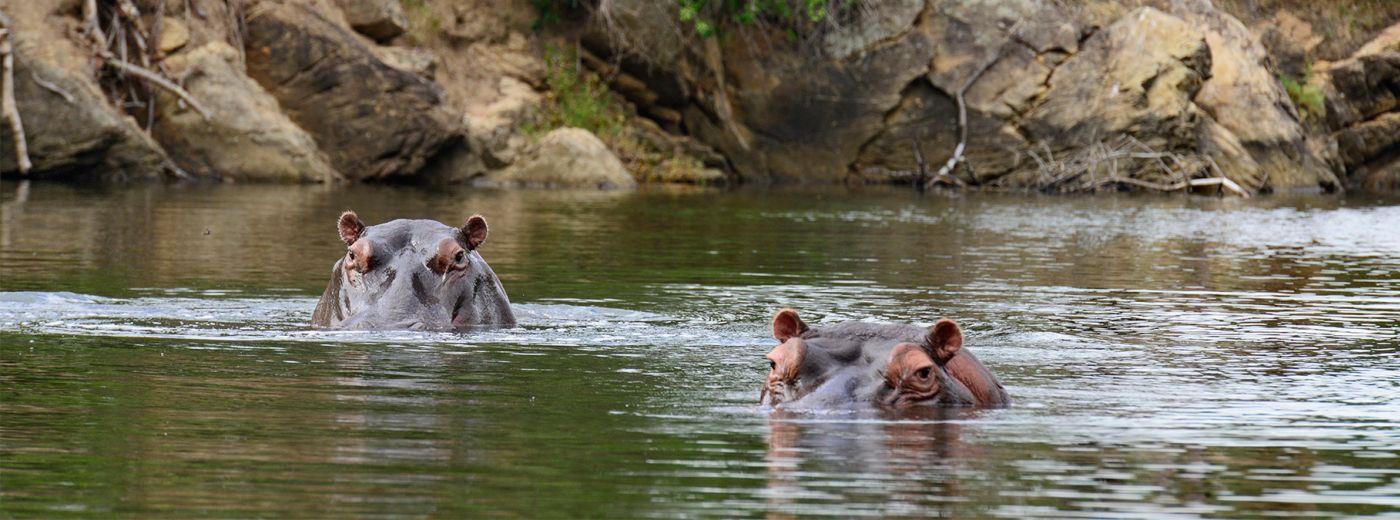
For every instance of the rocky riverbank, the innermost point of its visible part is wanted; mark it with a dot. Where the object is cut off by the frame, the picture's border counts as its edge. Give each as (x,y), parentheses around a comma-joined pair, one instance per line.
(1160,95)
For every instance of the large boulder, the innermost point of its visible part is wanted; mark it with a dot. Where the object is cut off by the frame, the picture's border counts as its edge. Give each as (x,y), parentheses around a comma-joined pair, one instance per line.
(378,19)
(69,126)
(1363,110)
(1246,99)
(373,120)
(565,158)
(873,94)
(247,137)
(1137,77)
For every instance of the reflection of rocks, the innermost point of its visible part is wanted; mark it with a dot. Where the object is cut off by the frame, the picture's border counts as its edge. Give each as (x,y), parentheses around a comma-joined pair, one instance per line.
(567,157)
(247,137)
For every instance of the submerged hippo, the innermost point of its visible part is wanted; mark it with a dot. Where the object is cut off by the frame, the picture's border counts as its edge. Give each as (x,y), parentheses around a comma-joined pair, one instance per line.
(412,274)
(896,366)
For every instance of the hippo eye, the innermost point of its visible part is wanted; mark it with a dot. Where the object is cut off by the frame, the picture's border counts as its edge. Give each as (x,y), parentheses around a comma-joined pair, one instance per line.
(461,256)
(352,256)
(772,365)
(923,373)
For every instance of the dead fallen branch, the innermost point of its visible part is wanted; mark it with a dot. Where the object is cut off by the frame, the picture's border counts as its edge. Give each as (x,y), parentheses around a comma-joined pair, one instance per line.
(1096,167)
(946,171)
(7,98)
(161,82)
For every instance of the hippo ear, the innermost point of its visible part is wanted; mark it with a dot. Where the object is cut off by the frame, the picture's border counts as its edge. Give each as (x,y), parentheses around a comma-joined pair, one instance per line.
(350,227)
(786,325)
(475,230)
(944,340)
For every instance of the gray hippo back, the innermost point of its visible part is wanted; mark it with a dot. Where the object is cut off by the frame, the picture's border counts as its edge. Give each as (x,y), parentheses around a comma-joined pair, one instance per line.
(412,275)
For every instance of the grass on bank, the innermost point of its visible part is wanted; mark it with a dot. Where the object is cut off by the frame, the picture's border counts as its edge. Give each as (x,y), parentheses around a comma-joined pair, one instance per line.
(578,98)
(1307,95)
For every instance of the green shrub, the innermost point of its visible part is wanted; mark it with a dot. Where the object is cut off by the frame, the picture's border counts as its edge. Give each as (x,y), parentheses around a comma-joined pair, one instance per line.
(1307,96)
(576,98)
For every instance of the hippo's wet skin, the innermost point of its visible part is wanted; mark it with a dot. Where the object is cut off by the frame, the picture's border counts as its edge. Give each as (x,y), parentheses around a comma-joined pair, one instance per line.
(892,366)
(412,274)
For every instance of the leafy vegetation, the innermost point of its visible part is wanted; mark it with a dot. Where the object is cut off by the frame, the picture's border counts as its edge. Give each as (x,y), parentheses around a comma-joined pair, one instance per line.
(702,14)
(578,98)
(1307,96)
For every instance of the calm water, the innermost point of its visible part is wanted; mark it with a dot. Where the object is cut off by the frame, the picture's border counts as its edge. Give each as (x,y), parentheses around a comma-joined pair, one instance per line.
(1181,356)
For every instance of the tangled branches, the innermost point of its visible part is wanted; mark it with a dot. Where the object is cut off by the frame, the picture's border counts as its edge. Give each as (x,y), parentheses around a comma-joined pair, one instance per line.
(1096,167)
(132,52)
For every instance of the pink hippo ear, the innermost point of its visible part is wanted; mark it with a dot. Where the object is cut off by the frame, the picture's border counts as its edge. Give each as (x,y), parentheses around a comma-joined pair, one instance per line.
(787,325)
(350,227)
(944,340)
(475,230)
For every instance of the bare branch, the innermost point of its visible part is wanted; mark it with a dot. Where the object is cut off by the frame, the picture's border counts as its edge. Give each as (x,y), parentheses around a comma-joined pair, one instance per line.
(160,82)
(51,87)
(7,100)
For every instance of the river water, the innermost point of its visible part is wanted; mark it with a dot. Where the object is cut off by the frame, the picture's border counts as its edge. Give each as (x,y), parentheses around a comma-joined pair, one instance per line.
(1167,356)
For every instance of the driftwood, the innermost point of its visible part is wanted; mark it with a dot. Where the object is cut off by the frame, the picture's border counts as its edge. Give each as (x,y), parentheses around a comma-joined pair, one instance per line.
(1081,171)
(7,97)
(156,79)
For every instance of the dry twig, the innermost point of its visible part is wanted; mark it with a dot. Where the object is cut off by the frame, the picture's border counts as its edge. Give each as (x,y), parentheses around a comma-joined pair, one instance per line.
(155,78)
(7,98)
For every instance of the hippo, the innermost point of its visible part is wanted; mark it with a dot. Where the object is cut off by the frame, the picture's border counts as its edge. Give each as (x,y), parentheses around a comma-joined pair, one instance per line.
(414,275)
(888,366)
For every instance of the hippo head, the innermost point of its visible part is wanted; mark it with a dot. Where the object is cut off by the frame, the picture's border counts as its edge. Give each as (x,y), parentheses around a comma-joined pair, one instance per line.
(412,274)
(888,366)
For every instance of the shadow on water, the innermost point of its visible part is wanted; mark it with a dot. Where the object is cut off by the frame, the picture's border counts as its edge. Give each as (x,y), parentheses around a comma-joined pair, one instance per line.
(1185,356)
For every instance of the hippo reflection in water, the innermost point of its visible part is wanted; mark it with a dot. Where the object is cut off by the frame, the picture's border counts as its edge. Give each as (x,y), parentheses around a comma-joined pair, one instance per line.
(412,274)
(893,366)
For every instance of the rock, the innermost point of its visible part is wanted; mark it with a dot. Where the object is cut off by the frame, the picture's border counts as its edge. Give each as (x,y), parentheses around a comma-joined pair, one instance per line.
(1363,111)
(1136,76)
(381,20)
(1366,84)
(421,62)
(1290,41)
(871,97)
(1246,98)
(174,34)
(70,129)
(373,121)
(247,136)
(494,126)
(567,158)
(1371,152)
